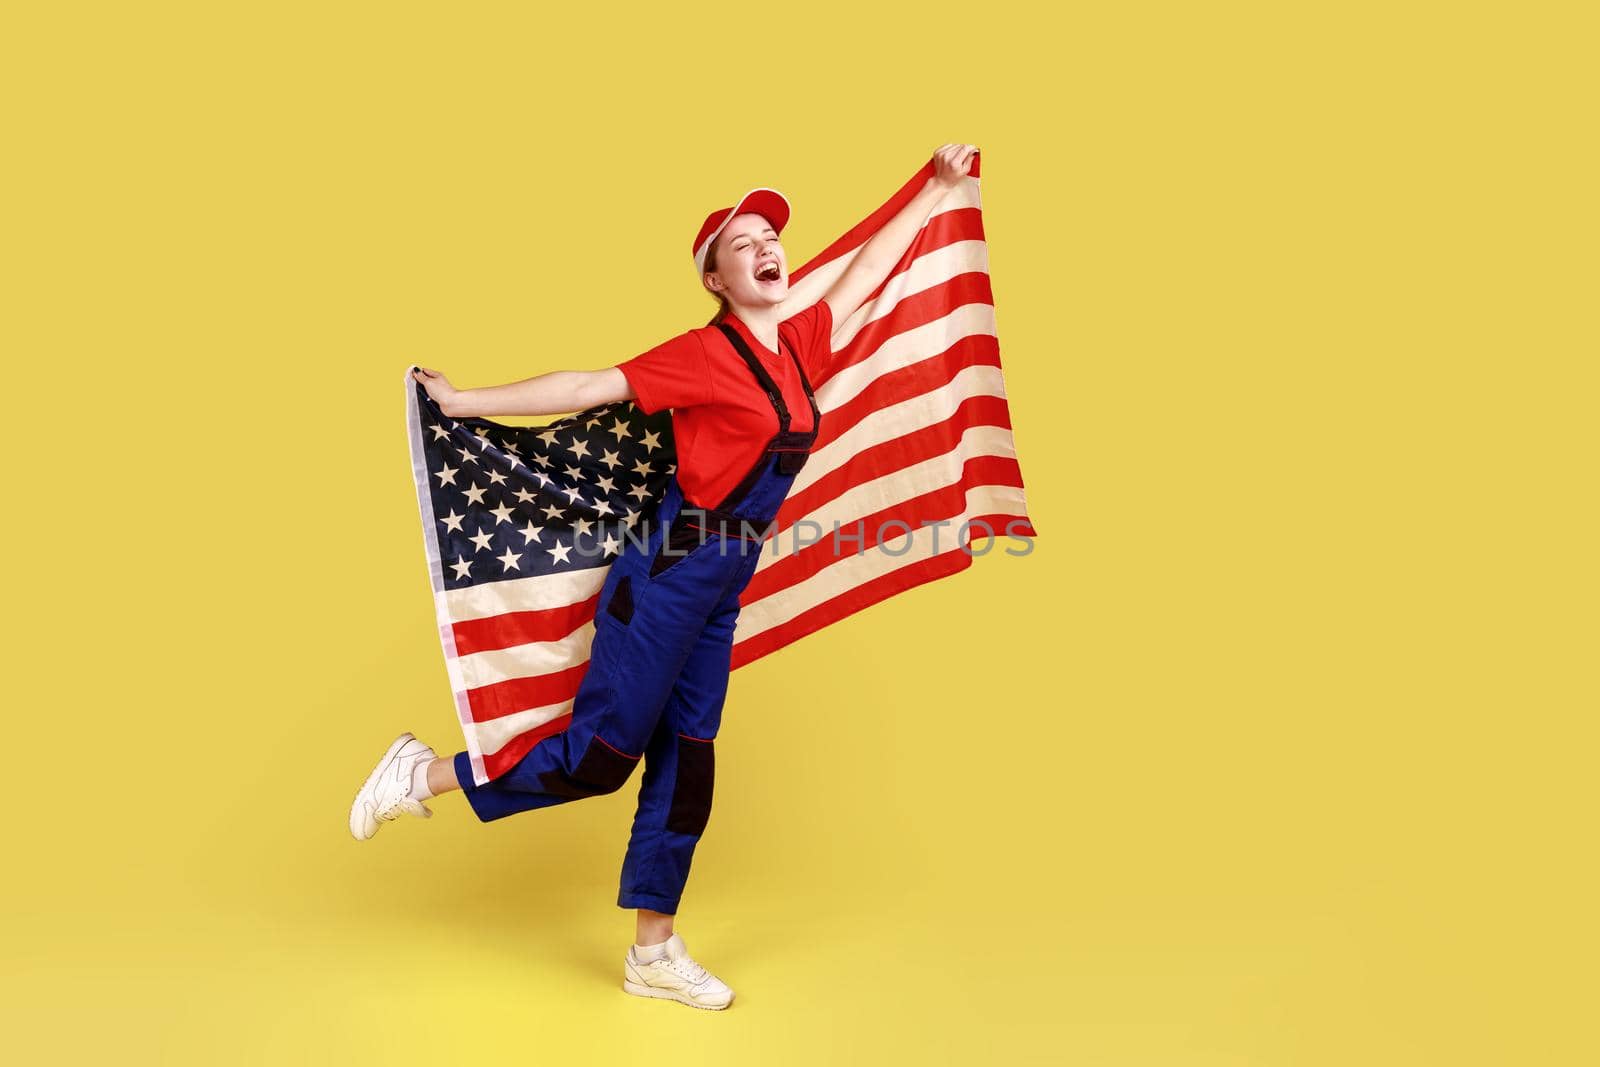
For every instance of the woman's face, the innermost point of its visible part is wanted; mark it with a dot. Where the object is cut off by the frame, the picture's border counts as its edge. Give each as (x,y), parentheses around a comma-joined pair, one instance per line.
(751,266)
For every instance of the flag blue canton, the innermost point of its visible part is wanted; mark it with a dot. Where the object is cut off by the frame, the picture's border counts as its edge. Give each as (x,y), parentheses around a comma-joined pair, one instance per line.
(520,502)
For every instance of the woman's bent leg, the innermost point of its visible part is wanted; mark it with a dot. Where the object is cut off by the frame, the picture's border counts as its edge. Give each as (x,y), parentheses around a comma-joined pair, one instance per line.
(634,659)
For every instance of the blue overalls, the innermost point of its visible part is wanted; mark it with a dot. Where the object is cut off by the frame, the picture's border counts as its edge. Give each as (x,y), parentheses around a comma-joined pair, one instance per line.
(658,667)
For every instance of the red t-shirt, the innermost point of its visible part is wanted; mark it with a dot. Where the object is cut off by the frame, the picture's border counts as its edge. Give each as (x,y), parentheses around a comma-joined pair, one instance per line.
(721,417)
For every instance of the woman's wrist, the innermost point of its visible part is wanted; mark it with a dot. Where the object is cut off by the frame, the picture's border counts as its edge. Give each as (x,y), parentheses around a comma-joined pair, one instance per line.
(458,405)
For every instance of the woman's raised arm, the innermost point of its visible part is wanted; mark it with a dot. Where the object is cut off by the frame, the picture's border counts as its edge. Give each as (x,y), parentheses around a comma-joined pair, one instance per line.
(879,255)
(555,393)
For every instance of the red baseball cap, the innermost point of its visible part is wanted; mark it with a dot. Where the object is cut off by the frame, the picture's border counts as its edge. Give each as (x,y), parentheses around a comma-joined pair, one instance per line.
(768,203)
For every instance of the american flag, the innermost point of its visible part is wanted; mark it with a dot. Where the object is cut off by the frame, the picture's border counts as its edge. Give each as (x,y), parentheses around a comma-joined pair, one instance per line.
(521,524)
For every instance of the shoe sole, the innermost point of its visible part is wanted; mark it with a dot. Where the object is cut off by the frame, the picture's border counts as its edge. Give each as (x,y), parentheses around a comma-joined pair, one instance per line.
(366,787)
(668,994)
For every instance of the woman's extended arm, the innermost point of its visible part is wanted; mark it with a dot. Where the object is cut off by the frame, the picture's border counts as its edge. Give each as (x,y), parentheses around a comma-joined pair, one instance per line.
(879,255)
(555,393)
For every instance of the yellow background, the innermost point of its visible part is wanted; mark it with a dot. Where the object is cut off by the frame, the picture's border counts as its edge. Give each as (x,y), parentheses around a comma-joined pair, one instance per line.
(1277,750)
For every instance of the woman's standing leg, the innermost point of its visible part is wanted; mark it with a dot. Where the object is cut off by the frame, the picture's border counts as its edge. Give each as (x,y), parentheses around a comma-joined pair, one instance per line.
(674,805)
(679,772)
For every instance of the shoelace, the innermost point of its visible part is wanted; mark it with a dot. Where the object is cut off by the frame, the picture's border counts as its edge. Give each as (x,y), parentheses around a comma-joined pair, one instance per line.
(689,969)
(401,806)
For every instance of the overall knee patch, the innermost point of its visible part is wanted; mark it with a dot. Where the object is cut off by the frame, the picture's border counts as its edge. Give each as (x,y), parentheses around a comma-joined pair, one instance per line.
(691,793)
(620,606)
(602,770)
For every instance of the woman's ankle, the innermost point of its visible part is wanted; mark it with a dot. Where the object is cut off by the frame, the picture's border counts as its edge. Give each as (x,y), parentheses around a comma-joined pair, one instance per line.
(653,927)
(441,775)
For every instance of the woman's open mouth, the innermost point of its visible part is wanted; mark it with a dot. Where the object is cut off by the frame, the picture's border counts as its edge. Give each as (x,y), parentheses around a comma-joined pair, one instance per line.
(768,273)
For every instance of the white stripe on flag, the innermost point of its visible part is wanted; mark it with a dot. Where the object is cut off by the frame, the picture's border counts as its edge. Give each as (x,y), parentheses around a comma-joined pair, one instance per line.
(494,734)
(524,594)
(925,272)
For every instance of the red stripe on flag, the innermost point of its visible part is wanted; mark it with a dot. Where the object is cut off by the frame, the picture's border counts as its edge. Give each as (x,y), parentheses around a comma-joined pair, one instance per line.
(519,694)
(523,627)
(497,763)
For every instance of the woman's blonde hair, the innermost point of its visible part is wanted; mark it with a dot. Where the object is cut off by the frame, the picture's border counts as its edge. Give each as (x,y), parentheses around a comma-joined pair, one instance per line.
(711,265)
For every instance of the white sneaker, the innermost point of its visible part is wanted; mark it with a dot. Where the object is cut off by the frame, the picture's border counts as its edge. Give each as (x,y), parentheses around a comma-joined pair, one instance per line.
(675,977)
(387,793)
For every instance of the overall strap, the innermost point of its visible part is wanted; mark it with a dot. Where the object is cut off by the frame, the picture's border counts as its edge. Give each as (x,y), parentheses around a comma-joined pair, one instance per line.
(771,387)
(816,415)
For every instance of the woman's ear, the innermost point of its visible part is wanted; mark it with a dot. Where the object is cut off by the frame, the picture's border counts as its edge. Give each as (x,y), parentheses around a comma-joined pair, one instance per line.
(714,282)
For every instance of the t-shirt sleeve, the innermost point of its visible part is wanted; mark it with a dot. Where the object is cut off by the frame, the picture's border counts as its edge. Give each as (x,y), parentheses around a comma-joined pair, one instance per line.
(673,374)
(811,334)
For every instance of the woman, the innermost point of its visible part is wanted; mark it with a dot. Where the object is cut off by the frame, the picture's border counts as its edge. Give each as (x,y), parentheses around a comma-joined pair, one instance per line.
(744,420)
